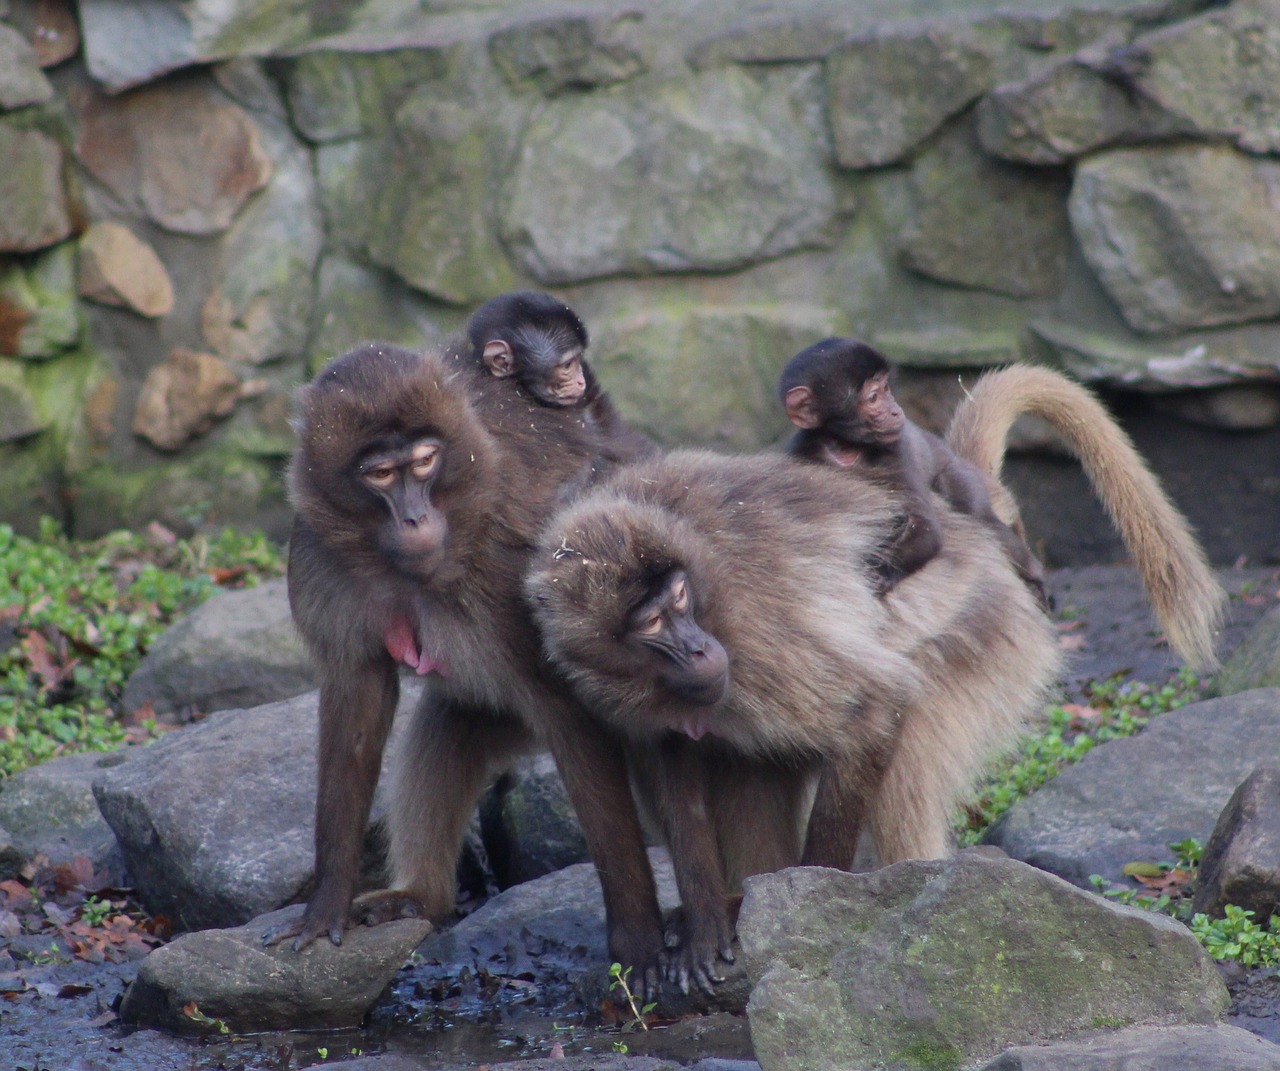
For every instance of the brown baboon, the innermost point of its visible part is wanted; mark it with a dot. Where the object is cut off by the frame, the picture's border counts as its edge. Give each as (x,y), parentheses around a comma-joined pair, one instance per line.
(775,561)
(420,488)
(893,704)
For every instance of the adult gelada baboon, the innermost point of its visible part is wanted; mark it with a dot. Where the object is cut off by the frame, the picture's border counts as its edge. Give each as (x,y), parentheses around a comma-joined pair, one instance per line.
(776,561)
(757,557)
(420,485)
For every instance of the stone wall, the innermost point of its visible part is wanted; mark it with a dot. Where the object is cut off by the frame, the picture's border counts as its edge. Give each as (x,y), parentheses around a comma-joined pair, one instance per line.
(201,203)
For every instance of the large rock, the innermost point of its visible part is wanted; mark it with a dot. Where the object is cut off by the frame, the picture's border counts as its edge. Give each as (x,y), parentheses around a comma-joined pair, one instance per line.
(942,963)
(1241,862)
(56,34)
(237,649)
(181,154)
(1212,77)
(984,223)
(216,821)
(1169,1048)
(1129,799)
(259,308)
(21,80)
(1256,662)
(119,268)
(184,397)
(1181,237)
(888,91)
(703,173)
(38,304)
(568,51)
(127,44)
(707,376)
(1069,109)
(436,180)
(1095,345)
(34,212)
(229,976)
(19,417)
(50,810)
(335,95)
(1219,74)
(359,304)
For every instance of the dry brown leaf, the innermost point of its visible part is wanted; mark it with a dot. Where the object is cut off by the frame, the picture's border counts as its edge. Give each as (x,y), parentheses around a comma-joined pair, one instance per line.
(230,575)
(16,895)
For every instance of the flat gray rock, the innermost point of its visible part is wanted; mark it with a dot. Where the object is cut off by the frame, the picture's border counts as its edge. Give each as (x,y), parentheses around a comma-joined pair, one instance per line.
(1178,1048)
(228,975)
(1128,800)
(946,962)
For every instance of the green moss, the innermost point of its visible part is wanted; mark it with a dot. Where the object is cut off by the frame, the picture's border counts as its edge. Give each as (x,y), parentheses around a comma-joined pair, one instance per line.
(931,1057)
(1111,1022)
(44,288)
(221,486)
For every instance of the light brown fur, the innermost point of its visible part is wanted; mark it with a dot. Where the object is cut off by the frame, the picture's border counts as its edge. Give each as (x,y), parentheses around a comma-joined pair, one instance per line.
(825,677)
(781,566)
(1187,600)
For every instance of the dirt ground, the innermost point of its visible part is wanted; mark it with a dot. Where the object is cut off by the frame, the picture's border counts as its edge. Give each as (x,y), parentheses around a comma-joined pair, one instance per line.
(1119,633)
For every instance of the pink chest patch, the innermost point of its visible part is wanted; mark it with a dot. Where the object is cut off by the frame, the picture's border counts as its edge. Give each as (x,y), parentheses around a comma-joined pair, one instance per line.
(694,729)
(402,644)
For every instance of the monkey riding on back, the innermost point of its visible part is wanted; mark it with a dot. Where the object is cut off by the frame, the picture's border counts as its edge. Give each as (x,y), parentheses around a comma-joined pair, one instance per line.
(539,344)
(837,393)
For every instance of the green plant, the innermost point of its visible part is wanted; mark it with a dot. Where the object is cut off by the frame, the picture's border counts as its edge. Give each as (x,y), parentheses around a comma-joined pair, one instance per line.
(95,911)
(1168,890)
(76,618)
(1237,937)
(620,982)
(50,957)
(1068,733)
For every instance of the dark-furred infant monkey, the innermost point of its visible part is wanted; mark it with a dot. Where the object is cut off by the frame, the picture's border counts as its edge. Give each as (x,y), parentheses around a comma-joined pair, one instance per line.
(837,393)
(538,339)
(541,343)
